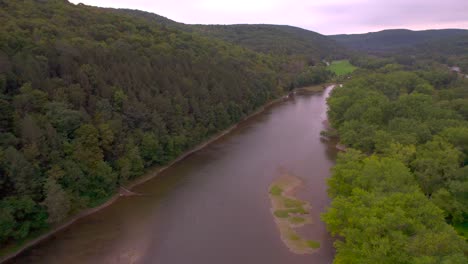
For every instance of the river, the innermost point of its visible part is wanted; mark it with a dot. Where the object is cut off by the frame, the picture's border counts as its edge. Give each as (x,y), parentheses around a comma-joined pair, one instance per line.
(213,206)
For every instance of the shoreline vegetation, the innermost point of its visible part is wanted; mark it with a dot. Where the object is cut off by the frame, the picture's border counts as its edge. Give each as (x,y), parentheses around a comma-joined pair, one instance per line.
(290,213)
(11,251)
(405,159)
(313,88)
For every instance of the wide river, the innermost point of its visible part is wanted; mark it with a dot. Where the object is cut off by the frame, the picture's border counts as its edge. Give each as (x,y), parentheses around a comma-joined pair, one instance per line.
(213,207)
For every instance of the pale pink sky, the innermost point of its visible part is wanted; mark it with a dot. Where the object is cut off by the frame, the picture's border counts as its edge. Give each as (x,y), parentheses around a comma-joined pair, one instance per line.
(323,16)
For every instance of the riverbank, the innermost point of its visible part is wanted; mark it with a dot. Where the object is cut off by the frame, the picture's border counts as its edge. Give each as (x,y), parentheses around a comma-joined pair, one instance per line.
(10,252)
(314,88)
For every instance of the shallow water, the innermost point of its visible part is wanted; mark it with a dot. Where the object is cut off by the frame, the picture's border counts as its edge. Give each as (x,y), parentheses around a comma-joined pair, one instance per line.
(213,207)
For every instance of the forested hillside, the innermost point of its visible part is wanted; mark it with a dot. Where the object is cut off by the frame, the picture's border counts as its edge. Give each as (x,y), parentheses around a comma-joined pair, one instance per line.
(447,46)
(393,39)
(91,97)
(402,185)
(280,40)
(277,39)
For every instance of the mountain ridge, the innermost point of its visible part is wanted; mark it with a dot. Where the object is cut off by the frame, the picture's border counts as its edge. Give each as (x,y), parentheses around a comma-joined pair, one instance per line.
(392,39)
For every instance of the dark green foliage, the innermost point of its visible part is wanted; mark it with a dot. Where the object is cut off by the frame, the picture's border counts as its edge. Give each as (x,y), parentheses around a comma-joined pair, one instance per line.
(312,76)
(276,39)
(280,40)
(19,216)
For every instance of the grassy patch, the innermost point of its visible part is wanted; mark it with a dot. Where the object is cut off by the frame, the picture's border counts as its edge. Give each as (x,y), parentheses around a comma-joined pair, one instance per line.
(281,213)
(290,213)
(294,237)
(313,244)
(276,190)
(342,67)
(291,203)
(297,220)
(298,210)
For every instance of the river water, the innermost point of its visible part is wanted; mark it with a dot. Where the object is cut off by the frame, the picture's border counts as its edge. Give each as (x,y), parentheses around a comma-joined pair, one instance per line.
(213,206)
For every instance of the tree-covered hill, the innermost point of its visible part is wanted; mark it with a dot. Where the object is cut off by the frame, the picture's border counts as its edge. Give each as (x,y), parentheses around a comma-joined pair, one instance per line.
(150,17)
(276,39)
(90,97)
(447,46)
(279,40)
(391,40)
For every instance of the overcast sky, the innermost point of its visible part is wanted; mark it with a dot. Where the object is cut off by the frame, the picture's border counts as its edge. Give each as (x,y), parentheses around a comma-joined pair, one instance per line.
(323,16)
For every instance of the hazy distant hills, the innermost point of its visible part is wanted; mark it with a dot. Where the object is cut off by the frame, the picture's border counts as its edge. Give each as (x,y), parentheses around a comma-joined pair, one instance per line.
(394,39)
(275,39)
(294,41)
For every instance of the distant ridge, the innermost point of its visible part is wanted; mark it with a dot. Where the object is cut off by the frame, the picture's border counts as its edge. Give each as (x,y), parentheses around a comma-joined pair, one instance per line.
(275,39)
(392,39)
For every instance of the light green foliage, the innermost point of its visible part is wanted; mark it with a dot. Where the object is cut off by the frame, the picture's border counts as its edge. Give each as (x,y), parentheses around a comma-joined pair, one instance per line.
(313,244)
(297,210)
(435,163)
(119,98)
(276,190)
(395,205)
(281,213)
(289,203)
(342,67)
(393,228)
(294,237)
(458,137)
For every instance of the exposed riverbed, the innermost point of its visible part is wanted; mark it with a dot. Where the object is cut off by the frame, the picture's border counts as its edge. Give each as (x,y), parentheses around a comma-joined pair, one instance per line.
(213,206)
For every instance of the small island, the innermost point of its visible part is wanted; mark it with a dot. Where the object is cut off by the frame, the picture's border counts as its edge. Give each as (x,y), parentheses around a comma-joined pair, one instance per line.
(290,213)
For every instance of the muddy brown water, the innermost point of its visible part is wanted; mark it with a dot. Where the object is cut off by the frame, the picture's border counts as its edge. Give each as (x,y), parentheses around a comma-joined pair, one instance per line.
(213,206)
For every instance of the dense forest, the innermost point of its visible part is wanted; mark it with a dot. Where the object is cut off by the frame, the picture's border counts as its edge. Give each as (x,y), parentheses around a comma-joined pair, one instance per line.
(402,185)
(446,46)
(394,39)
(280,40)
(91,97)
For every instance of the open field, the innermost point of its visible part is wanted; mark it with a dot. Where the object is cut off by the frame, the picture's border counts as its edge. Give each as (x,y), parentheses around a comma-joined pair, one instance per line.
(342,67)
